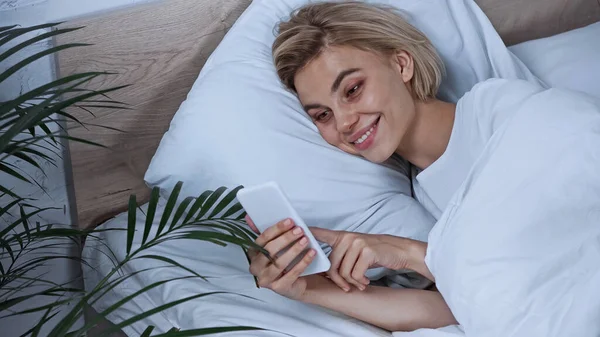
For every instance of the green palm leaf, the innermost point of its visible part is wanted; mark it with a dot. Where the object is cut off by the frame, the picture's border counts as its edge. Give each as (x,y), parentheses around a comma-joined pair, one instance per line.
(12,173)
(169,207)
(37,328)
(36,114)
(5,209)
(30,161)
(151,210)
(54,291)
(9,33)
(228,199)
(131,216)
(23,220)
(180,210)
(148,331)
(4,28)
(8,192)
(62,328)
(5,245)
(50,306)
(210,201)
(27,135)
(49,89)
(20,65)
(196,206)
(33,40)
(47,316)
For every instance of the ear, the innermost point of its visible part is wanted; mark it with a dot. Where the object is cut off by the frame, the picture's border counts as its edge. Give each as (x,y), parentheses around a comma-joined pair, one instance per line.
(405,65)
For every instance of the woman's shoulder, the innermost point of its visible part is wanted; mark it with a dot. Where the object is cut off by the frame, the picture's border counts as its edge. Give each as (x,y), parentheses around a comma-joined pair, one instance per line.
(504,89)
(499,94)
(492,101)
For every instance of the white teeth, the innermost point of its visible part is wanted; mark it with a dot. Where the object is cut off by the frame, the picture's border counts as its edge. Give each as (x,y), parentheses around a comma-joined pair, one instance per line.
(365,136)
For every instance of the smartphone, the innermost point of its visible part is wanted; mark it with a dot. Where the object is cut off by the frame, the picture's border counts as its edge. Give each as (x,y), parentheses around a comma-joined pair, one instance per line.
(266,204)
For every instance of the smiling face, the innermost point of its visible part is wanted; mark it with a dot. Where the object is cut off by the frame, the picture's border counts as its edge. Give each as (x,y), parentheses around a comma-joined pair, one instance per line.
(360,102)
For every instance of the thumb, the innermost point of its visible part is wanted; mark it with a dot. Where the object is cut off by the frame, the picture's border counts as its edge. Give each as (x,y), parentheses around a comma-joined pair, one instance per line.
(325,235)
(252,225)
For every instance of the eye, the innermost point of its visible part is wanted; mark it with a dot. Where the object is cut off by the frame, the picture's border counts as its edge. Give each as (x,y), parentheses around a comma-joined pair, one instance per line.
(322,116)
(353,91)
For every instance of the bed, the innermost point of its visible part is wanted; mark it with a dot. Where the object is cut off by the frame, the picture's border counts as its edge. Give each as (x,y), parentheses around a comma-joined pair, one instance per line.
(183,33)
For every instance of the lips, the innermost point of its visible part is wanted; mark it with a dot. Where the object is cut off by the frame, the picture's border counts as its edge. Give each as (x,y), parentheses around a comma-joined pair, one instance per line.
(367,139)
(363,132)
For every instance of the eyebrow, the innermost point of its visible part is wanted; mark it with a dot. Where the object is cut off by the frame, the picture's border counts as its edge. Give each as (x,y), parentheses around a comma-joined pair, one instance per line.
(340,77)
(312,106)
(334,87)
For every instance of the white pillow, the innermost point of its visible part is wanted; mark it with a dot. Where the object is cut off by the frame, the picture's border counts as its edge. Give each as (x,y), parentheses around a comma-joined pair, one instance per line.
(570,60)
(240,126)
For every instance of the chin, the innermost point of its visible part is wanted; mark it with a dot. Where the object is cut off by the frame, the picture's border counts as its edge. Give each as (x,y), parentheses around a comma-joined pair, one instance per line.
(377,157)
(374,155)
(377,160)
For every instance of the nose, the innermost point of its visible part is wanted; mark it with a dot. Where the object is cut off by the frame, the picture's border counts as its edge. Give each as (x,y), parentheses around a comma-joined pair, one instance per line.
(346,120)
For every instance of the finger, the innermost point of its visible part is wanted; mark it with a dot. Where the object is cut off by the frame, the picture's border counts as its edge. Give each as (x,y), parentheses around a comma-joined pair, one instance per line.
(291,254)
(335,258)
(286,259)
(325,235)
(283,241)
(274,231)
(347,265)
(293,274)
(252,225)
(258,263)
(360,269)
(252,253)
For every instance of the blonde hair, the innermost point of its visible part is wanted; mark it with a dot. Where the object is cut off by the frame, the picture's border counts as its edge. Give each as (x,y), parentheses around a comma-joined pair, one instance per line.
(374,28)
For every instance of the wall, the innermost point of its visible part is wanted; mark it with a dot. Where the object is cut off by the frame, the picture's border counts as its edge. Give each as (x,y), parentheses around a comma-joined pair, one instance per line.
(56,191)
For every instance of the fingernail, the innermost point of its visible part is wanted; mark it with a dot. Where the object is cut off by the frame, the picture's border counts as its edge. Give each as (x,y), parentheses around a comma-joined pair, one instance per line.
(303,241)
(287,222)
(346,289)
(361,287)
(297,230)
(311,253)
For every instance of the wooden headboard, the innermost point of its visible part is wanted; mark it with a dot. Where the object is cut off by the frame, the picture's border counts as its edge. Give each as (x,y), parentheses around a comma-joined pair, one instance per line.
(159,48)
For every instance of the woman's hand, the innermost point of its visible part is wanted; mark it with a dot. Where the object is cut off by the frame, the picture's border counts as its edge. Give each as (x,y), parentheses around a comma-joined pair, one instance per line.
(354,253)
(274,275)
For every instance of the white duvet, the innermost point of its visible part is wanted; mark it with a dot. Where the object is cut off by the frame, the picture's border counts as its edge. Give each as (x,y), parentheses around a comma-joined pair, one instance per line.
(517,251)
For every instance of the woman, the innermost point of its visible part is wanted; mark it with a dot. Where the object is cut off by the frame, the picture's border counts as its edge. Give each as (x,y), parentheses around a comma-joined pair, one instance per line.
(369,81)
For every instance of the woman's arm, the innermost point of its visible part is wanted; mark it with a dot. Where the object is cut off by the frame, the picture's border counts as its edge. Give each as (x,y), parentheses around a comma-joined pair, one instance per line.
(415,252)
(353,254)
(389,308)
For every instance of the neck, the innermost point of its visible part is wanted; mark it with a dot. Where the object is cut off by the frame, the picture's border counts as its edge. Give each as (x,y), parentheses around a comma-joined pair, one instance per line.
(429,134)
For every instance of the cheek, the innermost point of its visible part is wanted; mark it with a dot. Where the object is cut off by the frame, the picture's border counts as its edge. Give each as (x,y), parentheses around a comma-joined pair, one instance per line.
(332,136)
(370,101)
(377,99)
(329,133)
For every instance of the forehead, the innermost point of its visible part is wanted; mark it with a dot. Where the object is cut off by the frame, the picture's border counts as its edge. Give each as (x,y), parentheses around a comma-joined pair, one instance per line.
(333,58)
